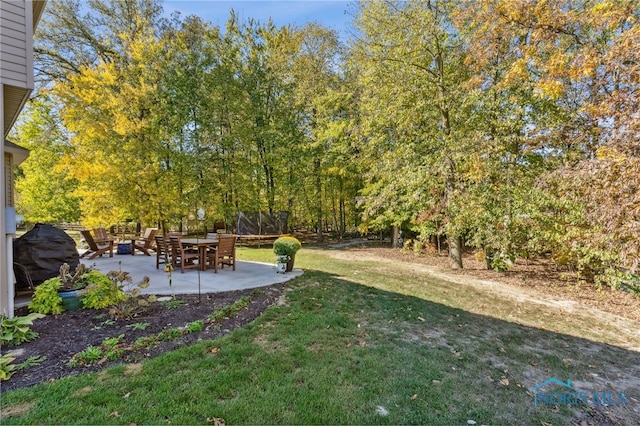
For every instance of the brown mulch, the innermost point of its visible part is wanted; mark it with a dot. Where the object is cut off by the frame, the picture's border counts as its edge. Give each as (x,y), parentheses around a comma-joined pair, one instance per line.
(62,336)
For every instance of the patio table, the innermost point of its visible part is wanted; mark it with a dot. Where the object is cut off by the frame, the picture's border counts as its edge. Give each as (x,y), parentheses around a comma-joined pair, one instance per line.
(202,244)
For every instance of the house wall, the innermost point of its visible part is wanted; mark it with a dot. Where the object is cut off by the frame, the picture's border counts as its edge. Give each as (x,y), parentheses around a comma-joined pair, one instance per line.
(17,24)
(16,52)
(4,241)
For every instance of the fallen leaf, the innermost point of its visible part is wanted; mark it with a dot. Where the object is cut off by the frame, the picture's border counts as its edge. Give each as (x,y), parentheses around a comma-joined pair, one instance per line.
(504,381)
(115,414)
(127,395)
(214,350)
(217,421)
(565,361)
(421,319)
(555,409)
(502,350)
(414,396)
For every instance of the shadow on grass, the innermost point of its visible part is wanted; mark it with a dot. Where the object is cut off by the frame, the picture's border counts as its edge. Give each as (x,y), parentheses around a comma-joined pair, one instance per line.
(335,351)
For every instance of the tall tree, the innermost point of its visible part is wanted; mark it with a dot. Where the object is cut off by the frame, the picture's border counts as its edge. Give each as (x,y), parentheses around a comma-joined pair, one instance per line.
(412,69)
(74,34)
(44,186)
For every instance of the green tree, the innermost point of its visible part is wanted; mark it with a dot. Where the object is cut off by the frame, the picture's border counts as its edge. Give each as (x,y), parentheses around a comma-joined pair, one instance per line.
(411,70)
(44,186)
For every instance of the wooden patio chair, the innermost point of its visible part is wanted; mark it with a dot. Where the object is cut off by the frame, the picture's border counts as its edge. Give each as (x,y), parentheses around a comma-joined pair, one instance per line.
(225,253)
(101,236)
(163,250)
(182,258)
(144,243)
(96,249)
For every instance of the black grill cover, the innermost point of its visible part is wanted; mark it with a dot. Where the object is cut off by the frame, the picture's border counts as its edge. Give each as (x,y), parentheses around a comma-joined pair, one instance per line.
(43,250)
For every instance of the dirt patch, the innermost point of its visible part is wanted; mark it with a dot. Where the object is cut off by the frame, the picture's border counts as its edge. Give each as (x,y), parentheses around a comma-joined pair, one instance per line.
(536,281)
(62,336)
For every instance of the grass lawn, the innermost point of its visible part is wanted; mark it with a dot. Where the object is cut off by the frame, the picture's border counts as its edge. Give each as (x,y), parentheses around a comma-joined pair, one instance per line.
(362,342)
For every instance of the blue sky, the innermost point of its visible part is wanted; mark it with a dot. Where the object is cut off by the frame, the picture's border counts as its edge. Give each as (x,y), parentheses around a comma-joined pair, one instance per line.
(330,13)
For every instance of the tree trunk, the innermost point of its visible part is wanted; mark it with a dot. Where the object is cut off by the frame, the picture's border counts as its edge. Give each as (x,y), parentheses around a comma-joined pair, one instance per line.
(455,252)
(395,239)
(316,168)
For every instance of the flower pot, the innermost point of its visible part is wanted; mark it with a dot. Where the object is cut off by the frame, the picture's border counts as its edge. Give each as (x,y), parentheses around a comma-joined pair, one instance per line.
(289,267)
(71,300)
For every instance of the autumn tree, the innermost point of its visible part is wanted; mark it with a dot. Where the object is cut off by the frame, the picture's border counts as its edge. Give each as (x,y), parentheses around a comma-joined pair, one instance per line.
(579,62)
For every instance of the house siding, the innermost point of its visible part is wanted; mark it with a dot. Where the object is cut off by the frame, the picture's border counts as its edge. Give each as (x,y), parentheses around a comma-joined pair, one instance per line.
(16,48)
(18,19)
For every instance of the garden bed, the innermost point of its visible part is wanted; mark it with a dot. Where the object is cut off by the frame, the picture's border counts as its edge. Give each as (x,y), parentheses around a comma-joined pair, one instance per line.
(62,336)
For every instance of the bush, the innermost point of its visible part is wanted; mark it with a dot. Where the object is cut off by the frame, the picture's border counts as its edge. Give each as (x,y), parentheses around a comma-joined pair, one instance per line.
(46,299)
(286,246)
(102,291)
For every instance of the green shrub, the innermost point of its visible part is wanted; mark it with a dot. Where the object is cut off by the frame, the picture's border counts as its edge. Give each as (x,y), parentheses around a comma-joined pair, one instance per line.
(101,291)
(46,299)
(286,246)
(14,331)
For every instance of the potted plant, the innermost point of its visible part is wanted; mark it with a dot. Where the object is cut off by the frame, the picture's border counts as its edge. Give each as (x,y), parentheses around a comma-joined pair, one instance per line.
(72,286)
(61,293)
(285,249)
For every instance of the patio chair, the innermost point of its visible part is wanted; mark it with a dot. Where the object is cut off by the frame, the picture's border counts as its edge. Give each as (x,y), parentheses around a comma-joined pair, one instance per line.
(101,236)
(144,243)
(225,253)
(163,251)
(180,257)
(96,249)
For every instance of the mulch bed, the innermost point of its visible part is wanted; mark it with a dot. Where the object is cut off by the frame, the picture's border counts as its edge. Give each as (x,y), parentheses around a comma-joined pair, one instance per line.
(62,336)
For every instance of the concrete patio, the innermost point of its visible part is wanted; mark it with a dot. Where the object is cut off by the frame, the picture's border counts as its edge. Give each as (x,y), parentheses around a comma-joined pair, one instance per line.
(247,275)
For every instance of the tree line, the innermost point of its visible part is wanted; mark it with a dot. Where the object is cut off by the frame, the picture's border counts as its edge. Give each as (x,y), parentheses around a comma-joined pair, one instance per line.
(510,127)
